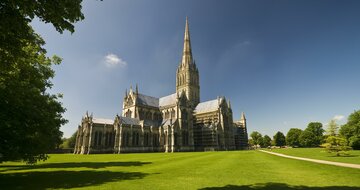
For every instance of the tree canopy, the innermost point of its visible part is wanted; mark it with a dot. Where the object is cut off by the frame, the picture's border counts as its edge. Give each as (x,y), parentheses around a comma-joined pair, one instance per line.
(293,137)
(279,139)
(266,141)
(351,130)
(16,32)
(312,136)
(69,142)
(30,116)
(308,139)
(256,137)
(332,129)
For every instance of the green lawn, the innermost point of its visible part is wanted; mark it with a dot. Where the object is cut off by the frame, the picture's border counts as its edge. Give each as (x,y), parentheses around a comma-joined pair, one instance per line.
(321,154)
(245,170)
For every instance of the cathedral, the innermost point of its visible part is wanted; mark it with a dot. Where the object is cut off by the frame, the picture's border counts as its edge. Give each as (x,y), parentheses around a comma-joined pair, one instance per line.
(178,122)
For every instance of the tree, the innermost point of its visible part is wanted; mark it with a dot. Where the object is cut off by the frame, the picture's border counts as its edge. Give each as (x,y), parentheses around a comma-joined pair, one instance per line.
(334,143)
(354,142)
(337,145)
(30,116)
(347,131)
(279,139)
(69,142)
(332,129)
(251,142)
(308,139)
(312,136)
(266,141)
(351,130)
(293,137)
(256,137)
(15,17)
(261,141)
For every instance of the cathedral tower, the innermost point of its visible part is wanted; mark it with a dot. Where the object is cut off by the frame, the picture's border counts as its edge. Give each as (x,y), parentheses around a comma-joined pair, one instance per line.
(187,74)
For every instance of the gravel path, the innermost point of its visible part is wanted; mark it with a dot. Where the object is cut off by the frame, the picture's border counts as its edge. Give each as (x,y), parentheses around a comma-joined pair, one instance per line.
(356,166)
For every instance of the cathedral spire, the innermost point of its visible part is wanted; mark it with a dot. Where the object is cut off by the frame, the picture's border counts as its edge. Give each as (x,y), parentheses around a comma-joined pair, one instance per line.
(187,54)
(187,75)
(242,116)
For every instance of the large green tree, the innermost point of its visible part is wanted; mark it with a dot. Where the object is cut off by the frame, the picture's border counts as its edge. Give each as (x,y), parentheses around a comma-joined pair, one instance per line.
(266,141)
(30,116)
(279,139)
(307,139)
(256,137)
(312,136)
(351,130)
(293,137)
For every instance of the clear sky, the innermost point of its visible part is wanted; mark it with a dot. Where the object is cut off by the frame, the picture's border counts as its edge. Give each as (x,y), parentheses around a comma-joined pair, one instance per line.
(283,63)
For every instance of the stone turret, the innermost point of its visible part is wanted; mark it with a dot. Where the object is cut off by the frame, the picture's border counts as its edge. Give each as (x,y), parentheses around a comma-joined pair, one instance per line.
(243,120)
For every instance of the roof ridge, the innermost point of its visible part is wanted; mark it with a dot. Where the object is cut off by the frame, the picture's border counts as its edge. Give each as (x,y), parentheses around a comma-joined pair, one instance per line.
(148,96)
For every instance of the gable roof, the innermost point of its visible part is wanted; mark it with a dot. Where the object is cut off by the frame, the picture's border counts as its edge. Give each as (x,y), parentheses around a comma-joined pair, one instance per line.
(147,100)
(103,121)
(167,100)
(147,122)
(129,121)
(208,106)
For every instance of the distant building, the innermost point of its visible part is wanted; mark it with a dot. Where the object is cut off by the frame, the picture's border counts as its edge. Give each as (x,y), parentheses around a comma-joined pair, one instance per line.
(174,123)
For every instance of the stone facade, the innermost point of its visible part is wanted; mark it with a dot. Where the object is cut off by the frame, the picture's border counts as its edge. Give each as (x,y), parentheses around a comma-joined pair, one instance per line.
(173,123)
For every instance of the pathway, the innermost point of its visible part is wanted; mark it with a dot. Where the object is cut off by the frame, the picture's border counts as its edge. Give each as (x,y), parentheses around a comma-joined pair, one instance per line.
(357,166)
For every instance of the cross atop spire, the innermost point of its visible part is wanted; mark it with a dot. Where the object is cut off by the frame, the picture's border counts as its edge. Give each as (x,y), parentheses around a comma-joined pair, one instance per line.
(187,54)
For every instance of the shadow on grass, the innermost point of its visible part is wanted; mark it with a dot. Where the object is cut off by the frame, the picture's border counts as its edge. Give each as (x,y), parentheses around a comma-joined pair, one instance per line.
(92,165)
(64,179)
(277,186)
(350,155)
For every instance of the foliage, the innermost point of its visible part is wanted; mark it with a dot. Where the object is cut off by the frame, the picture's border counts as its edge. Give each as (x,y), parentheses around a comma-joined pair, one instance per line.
(261,141)
(279,139)
(15,17)
(256,137)
(307,139)
(30,116)
(293,137)
(351,130)
(332,129)
(347,131)
(266,141)
(251,142)
(336,145)
(69,142)
(354,142)
(312,136)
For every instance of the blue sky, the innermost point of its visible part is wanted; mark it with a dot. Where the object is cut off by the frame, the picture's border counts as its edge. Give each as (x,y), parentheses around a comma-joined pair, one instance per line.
(283,63)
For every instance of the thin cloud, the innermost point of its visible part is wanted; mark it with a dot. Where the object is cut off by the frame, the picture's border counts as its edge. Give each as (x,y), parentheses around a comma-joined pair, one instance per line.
(244,43)
(338,117)
(112,60)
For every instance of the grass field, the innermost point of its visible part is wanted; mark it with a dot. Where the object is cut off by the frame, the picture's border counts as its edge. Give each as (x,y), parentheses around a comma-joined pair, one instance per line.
(321,154)
(244,170)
